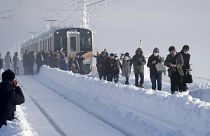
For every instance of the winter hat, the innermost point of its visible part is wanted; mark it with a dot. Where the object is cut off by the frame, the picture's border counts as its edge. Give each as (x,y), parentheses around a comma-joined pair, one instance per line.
(172,48)
(126,54)
(111,54)
(156,50)
(186,47)
(8,75)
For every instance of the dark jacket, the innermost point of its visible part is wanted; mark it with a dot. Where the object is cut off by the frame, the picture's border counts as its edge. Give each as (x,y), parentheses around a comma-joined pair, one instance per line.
(63,64)
(151,66)
(175,60)
(138,62)
(186,58)
(9,98)
(25,60)
(39,59)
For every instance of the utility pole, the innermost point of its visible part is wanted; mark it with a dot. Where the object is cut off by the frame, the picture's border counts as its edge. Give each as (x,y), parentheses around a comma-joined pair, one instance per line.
(85,19)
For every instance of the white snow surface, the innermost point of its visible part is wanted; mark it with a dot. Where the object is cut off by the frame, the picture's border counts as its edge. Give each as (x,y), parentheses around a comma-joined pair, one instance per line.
(77,105)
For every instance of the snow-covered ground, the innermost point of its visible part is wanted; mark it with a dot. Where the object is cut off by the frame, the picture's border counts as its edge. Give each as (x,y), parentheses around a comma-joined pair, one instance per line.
(63,103)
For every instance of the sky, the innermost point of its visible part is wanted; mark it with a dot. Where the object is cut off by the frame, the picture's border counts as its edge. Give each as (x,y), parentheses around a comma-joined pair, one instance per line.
(119,25)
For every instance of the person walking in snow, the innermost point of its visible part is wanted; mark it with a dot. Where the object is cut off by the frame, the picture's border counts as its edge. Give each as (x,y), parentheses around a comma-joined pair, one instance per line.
(8,60)
(138,62)
(31,61)
(101,65)
(63,63)
(109,67)
(186,67)
(79,63)
(10,96)
(155,75)
(116,68)
(174,61)
(16,61)
(39,60)
(25,62)
(126,67)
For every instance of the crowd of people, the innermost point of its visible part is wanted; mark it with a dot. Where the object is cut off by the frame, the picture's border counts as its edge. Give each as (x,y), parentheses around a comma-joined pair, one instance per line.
(52,59)
(110,65)
(10,62)
(178,63)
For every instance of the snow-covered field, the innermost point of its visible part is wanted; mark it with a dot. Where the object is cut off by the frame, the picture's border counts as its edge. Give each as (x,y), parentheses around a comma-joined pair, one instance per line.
(63,103)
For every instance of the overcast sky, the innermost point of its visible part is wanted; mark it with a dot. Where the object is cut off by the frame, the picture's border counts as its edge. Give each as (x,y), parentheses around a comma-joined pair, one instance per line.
(120,26)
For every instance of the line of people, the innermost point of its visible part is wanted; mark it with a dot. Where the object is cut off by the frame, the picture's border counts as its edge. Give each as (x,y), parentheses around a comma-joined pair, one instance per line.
(54,60)
(10,62)
(178,63)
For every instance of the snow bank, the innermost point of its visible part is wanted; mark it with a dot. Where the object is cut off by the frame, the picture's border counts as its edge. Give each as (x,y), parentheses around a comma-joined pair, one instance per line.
(134,111)
(18,127)
(203,94)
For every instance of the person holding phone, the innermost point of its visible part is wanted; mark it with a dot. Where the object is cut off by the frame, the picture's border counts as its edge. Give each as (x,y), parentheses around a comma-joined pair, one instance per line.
(10,96)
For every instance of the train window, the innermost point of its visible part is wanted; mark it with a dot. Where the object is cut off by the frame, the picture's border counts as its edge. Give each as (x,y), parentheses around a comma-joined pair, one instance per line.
(73,43)
(61,42)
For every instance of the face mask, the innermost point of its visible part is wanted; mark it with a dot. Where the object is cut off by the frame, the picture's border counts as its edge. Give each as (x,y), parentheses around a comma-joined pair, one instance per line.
(126,58)
(173,53)
(156,54)
(186,52)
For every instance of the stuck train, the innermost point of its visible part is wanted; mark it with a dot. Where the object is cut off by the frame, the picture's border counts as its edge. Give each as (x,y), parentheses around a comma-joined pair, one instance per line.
(68,40)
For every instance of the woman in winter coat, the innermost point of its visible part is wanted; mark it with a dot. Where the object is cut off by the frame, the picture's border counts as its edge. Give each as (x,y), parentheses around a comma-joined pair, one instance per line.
(138,62)
(8,60)
(126,67)
(155,75)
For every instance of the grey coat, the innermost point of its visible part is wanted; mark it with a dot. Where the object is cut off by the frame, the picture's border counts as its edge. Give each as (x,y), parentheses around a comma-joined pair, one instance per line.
(8,61)
(138,62)
(126,67)
(175,60)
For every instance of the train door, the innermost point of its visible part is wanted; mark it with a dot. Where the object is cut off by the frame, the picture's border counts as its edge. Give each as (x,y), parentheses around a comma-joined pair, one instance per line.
(73,43)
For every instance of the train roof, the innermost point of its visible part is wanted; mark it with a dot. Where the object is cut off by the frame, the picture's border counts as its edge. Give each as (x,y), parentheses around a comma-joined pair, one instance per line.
(34,40)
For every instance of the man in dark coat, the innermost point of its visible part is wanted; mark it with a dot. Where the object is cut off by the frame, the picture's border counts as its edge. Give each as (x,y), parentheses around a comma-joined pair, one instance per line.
(16,61)
(55,61)
(79,63)
(155,76)
(101,65)
(25,62)
(39,60)
(31,61)
(138,62)
(175,62)
(186,66)
(116,68)
(10,96)
(109,67)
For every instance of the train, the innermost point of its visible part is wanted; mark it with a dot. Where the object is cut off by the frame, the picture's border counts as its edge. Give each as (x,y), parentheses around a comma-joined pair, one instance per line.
(70,40)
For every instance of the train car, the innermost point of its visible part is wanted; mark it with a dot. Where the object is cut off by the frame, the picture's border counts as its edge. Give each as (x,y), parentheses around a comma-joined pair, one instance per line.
(69,40)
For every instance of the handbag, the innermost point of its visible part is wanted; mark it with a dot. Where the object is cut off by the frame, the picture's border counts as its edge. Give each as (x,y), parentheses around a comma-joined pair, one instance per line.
(160,67)
(188,77)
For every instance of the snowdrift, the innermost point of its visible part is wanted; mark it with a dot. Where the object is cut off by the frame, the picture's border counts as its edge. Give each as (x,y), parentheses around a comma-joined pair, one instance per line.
(203,94)
(132,110)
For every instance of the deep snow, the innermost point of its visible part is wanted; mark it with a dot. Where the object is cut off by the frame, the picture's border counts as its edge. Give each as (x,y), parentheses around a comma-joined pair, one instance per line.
(126,109)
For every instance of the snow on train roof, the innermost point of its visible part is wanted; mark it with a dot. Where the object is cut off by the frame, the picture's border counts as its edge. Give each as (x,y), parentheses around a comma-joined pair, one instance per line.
(34,40)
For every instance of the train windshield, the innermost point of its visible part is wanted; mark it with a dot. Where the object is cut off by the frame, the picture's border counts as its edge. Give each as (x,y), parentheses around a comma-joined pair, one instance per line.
(86,41)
